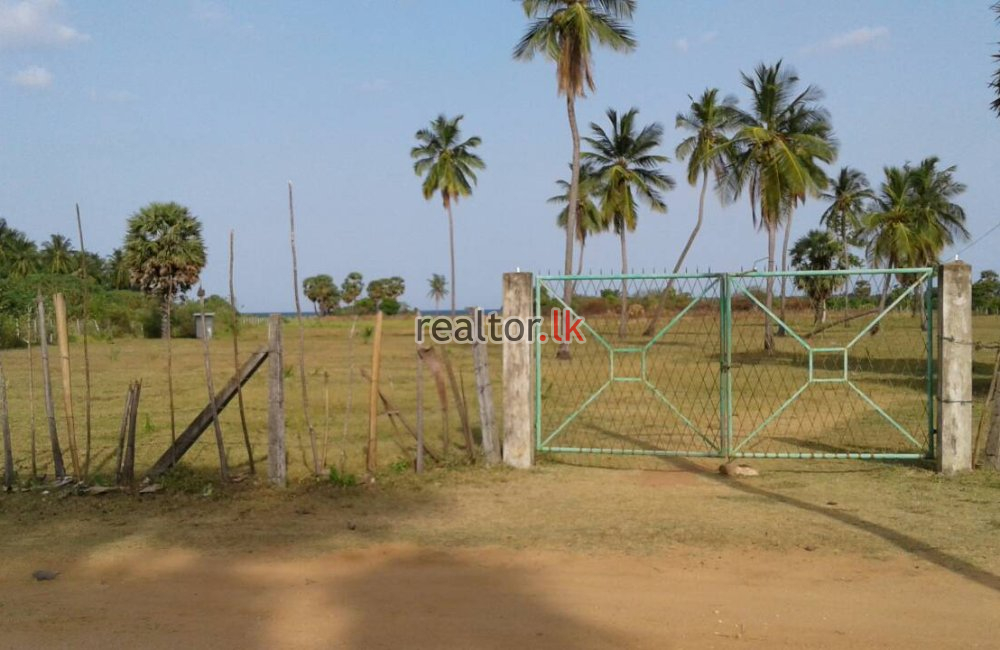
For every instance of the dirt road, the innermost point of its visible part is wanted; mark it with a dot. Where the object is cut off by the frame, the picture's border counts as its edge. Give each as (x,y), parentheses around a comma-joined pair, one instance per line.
(391,596)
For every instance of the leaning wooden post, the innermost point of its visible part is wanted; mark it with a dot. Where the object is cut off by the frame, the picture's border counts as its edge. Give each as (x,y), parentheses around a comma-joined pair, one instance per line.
(86,350)
(62,334)
(484,391)
(518,450)
(50,409)
(954,453)
(277,461)
(219,442)
(302,337)
(236,354)
(371,457)
(31,403)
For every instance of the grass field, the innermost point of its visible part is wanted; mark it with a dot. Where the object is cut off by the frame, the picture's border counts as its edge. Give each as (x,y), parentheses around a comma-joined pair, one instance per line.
(812,554)
(683,365)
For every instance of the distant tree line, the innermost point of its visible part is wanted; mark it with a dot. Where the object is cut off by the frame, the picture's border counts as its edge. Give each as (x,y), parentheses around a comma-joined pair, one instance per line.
(328,298)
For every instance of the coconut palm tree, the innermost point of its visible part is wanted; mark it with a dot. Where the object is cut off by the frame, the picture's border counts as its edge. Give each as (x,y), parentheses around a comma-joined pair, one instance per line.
(57,255)
(118,274)
(624,160)
(438,289)
(849,195)
(819,251)
(21,257)
(564,31)
(710,121)
(995,82)
(776,155)
(589,220)
(915,218)
(448,166)
(164,253)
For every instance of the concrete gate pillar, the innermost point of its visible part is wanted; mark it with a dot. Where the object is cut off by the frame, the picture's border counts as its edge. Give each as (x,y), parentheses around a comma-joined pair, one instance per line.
(954,423)
(518,446)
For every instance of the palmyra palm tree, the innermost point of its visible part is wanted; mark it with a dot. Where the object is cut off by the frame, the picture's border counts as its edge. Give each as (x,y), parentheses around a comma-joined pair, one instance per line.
(448,166)
(438,289)
(57,254)
(710,122)
(564,31)
(589,220)
(624,160)
(777,150)
(164,252)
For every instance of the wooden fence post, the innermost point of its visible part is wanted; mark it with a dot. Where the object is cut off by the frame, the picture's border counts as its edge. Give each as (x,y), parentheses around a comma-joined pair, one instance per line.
(62,334)
(277,461)
(484,391)
(371,457)
(50,410)
(420,409)
(518,447)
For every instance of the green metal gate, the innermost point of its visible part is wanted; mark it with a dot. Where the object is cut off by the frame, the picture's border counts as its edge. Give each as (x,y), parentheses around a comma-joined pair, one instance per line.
(837,364)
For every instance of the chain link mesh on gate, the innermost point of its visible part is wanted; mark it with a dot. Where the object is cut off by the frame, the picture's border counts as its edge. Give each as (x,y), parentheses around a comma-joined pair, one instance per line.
(682,365)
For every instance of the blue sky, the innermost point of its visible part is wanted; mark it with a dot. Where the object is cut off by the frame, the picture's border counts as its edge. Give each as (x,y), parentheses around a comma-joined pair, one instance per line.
(216,105)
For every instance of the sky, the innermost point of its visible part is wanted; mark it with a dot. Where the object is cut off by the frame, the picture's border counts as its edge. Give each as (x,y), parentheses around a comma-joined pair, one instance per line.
(113,104)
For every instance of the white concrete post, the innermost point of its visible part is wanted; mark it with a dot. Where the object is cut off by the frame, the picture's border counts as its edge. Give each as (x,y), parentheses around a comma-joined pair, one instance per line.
(518,446)
(954,449)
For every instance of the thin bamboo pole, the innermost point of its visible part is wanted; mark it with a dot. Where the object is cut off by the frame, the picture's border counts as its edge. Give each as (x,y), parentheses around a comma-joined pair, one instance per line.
(223,465)
(350,394)
(86,348)
(420,409)
(8,454)
(371,458)
(170,370)
(302,335)
(236,352)
(31,401)
(58,467)
(62,335)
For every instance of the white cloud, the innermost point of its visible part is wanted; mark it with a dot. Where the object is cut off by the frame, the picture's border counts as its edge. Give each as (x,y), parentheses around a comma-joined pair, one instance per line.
(708,37)
(682,45)
(33,23)
(33,77)
(860,37)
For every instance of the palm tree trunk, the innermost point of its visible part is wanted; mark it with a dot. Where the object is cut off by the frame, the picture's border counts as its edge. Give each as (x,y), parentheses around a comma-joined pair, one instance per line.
(623,323)
(661,305)
(451,249)
(579,267)
(772,237)
(882,301)
(574,200)
(784,267)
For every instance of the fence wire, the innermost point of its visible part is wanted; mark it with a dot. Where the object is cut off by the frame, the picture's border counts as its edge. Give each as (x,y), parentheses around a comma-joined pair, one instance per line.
(683,365)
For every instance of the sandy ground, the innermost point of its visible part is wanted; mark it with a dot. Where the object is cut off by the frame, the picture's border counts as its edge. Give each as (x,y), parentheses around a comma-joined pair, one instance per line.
(400,596)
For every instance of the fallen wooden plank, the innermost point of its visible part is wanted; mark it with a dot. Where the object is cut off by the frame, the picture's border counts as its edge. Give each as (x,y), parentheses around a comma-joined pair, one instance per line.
(204,419)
